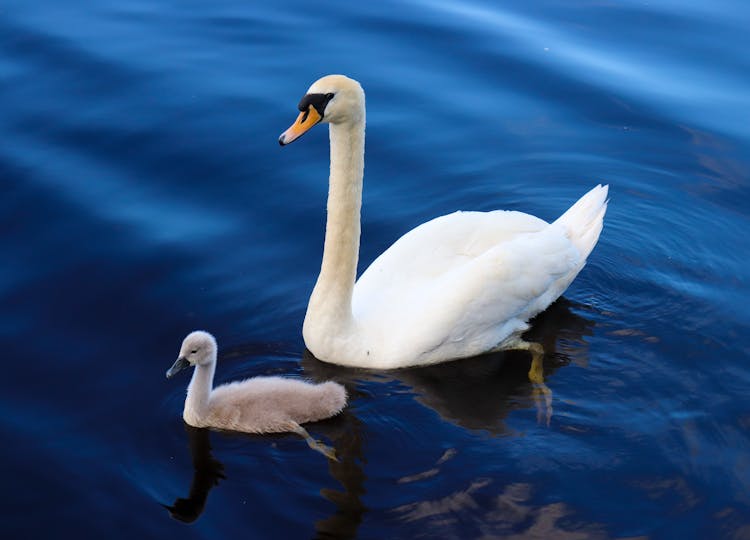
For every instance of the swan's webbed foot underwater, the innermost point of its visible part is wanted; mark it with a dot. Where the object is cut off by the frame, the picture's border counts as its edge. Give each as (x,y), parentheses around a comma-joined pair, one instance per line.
(316,445)
(541,392)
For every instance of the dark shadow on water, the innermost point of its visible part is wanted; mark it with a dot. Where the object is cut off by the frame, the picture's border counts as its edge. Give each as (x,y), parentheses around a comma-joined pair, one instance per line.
(207,473)
(475,393)
(346,435)
(344,432)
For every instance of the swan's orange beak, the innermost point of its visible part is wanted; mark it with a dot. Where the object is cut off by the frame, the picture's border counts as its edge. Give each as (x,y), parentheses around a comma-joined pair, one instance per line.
(304,122)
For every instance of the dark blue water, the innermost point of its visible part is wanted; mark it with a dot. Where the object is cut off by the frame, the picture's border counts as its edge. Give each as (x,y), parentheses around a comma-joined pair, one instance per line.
(144,195)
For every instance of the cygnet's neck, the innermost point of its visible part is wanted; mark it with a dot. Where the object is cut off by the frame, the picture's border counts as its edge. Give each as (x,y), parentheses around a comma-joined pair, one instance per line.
(199,391)
(331,301)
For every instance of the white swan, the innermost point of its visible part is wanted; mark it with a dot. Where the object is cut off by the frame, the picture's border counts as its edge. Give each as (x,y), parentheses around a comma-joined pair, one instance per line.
(456,286)
(257,405)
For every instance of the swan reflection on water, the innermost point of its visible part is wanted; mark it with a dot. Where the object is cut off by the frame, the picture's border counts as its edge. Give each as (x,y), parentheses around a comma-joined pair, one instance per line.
(474,393)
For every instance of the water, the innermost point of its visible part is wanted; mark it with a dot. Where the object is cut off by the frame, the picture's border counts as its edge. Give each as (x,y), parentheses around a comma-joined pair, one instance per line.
(145,195)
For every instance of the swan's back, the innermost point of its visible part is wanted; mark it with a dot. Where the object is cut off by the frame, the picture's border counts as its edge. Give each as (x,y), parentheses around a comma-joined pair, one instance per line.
(273,404)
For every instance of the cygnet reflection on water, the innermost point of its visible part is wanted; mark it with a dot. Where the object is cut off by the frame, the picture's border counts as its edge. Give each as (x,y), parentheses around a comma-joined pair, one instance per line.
(479,393)
(256,405)
(207,473)
(347,509)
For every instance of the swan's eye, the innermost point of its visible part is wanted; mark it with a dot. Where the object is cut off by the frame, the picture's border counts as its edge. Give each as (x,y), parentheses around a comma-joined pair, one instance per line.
(318,101)
(194,351)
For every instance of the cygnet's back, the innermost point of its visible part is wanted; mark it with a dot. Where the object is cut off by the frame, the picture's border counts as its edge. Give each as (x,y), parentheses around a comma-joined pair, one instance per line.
(273,404)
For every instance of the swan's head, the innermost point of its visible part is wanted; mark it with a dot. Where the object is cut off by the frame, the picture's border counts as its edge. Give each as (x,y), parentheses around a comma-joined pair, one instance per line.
(334,98)
(198,348)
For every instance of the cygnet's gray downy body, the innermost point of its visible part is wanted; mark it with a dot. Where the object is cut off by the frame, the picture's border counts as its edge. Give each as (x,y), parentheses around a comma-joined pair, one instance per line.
(256,405)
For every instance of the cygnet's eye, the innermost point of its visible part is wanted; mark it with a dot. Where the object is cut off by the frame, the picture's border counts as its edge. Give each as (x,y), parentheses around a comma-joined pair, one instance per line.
(194,351)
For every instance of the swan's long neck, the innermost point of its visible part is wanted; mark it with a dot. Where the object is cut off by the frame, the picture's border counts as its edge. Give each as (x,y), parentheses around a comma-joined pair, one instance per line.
(331,301)
(199,391)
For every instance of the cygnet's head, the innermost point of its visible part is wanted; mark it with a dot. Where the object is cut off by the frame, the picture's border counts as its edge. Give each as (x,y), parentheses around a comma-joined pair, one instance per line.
(334,98)
(198,348)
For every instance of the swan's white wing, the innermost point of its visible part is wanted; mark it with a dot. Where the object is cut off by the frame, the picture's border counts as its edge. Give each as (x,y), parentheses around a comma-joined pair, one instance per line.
(462,283)
(435,248)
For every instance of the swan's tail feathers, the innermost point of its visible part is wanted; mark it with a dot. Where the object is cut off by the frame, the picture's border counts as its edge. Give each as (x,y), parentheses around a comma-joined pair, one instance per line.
(584,220)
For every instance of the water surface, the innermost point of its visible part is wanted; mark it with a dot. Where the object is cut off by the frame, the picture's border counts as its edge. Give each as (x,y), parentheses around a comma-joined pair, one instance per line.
(145,195)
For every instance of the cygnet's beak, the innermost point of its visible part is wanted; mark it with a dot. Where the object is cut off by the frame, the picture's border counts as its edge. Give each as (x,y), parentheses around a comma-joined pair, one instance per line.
(180,364)
(306,119)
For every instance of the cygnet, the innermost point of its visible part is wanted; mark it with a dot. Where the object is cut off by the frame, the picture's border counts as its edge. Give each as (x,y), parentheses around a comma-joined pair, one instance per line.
(256,405)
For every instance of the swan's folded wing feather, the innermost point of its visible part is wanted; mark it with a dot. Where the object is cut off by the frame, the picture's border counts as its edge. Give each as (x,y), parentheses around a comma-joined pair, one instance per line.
(433,250)
(509,284)
(479,301)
